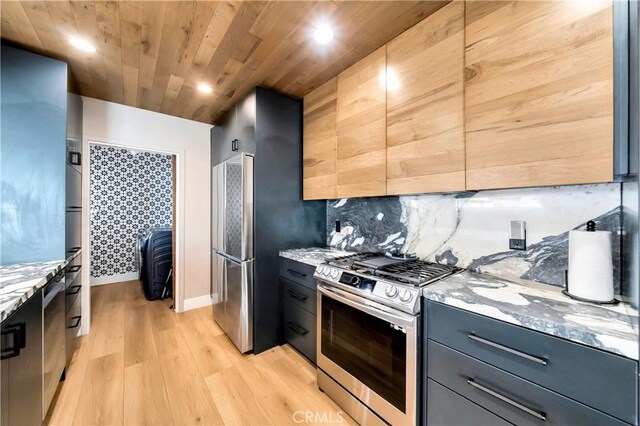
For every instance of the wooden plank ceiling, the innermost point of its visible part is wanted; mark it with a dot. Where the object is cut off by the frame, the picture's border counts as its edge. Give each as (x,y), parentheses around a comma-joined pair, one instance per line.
(152,54)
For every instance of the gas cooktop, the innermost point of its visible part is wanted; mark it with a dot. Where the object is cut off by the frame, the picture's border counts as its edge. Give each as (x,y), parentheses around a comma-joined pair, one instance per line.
(394,281)
(405,269)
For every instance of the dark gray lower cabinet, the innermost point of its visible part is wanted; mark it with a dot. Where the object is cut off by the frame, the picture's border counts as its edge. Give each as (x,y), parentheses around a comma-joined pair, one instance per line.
(510,397)
(299,329)
(298,306)
(54,361)
(447,408)
(72,323)
(300,273)
(565,367)
(520,375)
(298,295)
(21,392)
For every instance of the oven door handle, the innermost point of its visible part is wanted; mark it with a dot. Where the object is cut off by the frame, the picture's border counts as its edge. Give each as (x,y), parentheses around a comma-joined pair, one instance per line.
(369,307)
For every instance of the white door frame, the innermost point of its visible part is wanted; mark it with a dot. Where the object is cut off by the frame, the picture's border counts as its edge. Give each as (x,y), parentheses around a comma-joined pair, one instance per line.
(178,226)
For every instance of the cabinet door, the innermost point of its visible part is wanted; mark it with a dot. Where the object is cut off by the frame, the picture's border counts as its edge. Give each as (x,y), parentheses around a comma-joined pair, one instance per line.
(445,407)
(425,120)
(362,128)
(538,93)
(221,136)
(319,142)
(22,364)
(245,130)
(73,231)
(73,188)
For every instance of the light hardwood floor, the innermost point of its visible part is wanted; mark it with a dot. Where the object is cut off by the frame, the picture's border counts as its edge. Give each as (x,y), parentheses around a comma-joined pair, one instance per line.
(144,364)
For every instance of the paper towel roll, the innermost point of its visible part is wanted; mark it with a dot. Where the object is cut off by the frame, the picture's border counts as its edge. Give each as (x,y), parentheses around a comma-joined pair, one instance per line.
(590,265)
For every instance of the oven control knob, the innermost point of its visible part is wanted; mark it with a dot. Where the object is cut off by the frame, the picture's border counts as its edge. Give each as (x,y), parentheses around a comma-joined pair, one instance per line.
(405,295)
(391,291)
(320,269)
(335,274)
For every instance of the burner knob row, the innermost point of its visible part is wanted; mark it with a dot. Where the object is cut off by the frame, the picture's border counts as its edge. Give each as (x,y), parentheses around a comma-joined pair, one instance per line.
(328,272)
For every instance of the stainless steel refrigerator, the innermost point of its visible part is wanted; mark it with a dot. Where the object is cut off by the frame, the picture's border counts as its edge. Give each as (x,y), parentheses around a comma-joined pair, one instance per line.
(232,252)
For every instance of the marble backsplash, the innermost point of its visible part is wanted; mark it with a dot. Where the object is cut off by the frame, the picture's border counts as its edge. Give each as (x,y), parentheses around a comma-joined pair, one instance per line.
(471,229)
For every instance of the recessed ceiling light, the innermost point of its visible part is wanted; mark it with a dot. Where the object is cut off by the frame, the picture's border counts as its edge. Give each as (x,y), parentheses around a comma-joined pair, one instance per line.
(204,88)
(323,34)
(82,44)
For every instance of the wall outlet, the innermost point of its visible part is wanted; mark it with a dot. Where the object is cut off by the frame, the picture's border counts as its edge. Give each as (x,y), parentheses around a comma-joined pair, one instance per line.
(517,244)
(338,228)
(517,235)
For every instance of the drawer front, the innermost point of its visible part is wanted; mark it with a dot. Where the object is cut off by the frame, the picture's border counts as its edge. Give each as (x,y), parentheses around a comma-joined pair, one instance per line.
(73,231)
(298,295)
(447,408)
(510,397)
(571,369)
(72,292)
(299,329)
(300,273)
(72,270)
(72,324)
(73,188)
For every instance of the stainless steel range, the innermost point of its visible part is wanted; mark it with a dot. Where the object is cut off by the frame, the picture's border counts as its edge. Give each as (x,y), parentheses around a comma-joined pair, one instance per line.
(369,333)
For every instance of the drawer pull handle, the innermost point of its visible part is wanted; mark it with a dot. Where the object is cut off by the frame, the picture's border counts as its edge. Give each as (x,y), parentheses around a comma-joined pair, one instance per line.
(537,414)
(507,349)
(14,338)
(296,273)
(77,318)
(297,329)
(74,268)
(77,290)
(297,296)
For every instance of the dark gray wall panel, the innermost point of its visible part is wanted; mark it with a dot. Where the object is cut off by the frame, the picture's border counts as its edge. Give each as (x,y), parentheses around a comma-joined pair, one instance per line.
(282,219)
(32,157)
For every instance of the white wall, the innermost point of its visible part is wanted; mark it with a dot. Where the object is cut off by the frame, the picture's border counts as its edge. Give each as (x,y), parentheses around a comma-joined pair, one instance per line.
(114,124)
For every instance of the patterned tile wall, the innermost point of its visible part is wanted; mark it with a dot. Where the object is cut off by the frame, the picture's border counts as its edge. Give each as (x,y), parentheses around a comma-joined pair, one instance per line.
(129,191)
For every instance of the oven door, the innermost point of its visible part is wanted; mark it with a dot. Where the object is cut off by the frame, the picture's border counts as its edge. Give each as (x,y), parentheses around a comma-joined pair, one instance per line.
(371,350)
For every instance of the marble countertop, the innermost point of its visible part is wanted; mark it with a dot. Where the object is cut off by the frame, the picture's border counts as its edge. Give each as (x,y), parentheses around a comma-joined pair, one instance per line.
(20,281)
(542,308)
(313,256)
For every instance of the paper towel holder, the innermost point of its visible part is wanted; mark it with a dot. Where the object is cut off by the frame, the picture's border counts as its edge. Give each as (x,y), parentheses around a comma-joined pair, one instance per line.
(565,291)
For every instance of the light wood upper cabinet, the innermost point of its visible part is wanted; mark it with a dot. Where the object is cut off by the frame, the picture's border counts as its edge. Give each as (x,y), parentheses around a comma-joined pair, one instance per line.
(479,95)
(319,142)
(425,105)
(538,93)
(361,126)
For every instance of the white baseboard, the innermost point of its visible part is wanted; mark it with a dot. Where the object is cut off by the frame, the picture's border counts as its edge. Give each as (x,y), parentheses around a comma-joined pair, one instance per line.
(110,279)
(199,302)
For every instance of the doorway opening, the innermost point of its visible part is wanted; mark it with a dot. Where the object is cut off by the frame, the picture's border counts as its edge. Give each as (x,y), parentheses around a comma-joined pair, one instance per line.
(132,219)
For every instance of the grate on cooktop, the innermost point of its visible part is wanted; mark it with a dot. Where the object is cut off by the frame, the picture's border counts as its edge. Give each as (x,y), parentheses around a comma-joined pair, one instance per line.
(348,260)
(416,272)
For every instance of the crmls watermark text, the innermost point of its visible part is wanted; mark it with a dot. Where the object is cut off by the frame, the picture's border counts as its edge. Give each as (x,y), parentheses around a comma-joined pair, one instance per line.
(324,417)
